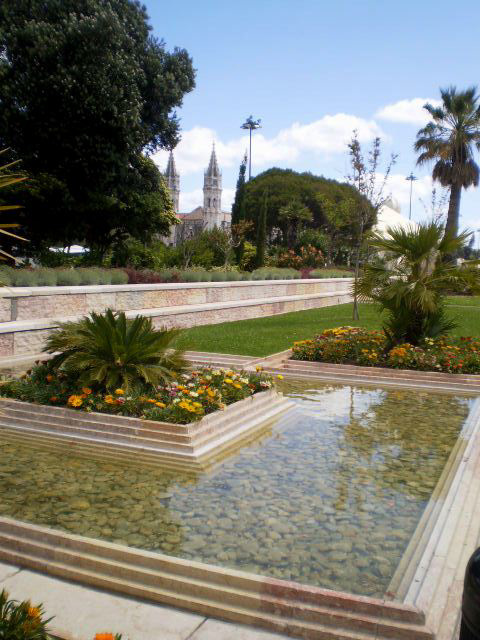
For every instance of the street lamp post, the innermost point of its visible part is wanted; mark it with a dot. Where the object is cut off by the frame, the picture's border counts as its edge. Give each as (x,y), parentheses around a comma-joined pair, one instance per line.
(411,177)
(251,125)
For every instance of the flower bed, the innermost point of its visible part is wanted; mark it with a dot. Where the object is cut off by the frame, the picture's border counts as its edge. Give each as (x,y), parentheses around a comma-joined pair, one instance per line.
(353,345)
(192,396)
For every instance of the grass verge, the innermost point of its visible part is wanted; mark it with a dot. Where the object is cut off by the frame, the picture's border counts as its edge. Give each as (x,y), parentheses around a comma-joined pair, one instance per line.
(264,336)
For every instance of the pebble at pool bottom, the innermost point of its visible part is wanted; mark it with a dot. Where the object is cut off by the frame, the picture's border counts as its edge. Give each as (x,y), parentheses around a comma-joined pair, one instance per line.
(330,497)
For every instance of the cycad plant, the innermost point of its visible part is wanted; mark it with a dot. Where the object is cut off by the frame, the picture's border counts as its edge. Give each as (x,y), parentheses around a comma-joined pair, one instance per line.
(449,139)
(110,351)
(411,278)
(21,621)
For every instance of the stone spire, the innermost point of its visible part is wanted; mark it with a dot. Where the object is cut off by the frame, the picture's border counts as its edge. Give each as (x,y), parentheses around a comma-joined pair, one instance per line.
(212,193)
(173,181)
(213,171)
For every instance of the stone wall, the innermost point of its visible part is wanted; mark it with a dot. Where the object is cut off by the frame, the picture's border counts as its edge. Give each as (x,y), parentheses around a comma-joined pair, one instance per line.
(27,315)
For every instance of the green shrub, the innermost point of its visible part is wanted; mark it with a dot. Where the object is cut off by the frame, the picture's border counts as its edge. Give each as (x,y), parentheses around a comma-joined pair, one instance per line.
(105,276)
(112,351)
(47,277)
(21,620)
(68,277)
(6,276)
(25,278)
(219,276)
(119,276)
(233,276)
(89,276)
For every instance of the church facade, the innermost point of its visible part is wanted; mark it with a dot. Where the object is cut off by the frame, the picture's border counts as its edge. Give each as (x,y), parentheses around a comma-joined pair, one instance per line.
(202,218)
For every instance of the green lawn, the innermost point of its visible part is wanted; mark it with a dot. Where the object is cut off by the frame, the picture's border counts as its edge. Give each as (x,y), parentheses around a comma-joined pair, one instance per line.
(264,336)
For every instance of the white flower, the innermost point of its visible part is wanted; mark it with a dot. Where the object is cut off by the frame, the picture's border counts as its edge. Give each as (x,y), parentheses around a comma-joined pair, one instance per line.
(194,394)
(176,400)
(244,380)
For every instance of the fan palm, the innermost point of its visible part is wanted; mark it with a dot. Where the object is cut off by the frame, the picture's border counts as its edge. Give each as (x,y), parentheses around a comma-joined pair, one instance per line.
(112,351)
(412,278)
(7,178)
(449,139)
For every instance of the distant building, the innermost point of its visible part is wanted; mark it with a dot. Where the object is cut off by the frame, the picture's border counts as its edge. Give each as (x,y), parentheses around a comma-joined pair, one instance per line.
(208,216)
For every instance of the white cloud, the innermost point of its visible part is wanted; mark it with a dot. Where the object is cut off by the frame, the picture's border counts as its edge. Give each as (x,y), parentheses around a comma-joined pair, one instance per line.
(407,111)
(328,135)
(399,187)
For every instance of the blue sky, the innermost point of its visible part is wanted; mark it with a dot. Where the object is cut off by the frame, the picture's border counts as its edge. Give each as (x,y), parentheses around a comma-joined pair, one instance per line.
(312,71)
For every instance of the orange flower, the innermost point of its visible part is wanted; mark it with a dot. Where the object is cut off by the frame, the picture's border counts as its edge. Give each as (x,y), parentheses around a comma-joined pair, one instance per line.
(161,405)
(54,399)
(151,400)
(75,401)
(119,392)
(34,612)
(109,399)
(49,377)
(86,390)
(104,636)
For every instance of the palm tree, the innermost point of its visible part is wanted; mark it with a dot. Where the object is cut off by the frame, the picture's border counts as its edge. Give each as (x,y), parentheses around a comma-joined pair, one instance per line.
(449,139)
(412,278)
(112,351)
(7,178)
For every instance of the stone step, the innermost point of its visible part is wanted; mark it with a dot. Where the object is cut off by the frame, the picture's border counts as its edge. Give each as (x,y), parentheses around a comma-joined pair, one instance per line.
(304,611)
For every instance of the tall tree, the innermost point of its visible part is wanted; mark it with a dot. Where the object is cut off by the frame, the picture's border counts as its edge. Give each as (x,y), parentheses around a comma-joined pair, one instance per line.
(262,233)
(85,89)
(365,179)
(449,140)
(238,207)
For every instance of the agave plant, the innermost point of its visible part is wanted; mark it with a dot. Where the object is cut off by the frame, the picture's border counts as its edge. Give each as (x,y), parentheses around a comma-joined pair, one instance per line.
(21,620)
(411,280)
(112,351)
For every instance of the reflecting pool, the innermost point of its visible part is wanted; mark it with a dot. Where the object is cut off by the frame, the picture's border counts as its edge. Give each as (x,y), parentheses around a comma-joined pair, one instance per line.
(330,498)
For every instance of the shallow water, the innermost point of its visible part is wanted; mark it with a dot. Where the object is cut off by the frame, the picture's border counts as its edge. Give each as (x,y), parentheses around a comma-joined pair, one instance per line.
(330,498)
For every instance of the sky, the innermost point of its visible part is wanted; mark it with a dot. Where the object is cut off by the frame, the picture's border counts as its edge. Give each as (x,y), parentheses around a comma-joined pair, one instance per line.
(313,71)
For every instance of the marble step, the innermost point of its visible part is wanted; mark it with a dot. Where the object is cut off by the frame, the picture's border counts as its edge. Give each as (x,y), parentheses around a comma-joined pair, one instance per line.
(296,609)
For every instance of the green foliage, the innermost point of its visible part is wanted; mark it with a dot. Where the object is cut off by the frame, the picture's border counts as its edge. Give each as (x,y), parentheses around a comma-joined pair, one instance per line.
(275,273)
(449,139)
(112,351)
(133,253)
(47,277)
(313,238)
(25,278)
(411,280)
(21,620)
(67,278)
(285,186)
(294,215)
(118,276)
(262,233)
(112,93)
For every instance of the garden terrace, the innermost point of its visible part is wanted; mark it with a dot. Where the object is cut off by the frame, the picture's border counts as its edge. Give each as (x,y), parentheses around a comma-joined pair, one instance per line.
(28,315)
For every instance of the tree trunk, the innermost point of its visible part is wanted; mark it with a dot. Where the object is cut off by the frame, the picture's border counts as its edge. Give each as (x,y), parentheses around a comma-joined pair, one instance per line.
(453,210)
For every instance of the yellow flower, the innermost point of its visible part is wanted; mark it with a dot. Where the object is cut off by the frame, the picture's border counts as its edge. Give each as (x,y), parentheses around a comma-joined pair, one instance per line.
(210,393)
(280,377)
(119,392)
(161,405)
(237,386)
(151,400)
(228,381)
(258,368)
(197,404)
(109,399)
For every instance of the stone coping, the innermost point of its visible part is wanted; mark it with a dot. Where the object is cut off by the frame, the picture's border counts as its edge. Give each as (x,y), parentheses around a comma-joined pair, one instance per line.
(20,292)
(50,323)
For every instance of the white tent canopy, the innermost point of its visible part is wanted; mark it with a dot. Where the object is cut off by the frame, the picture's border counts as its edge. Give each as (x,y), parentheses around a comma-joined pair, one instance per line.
(389,215)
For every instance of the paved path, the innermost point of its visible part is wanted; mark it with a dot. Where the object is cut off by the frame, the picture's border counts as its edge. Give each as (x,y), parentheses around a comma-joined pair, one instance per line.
(81,612)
